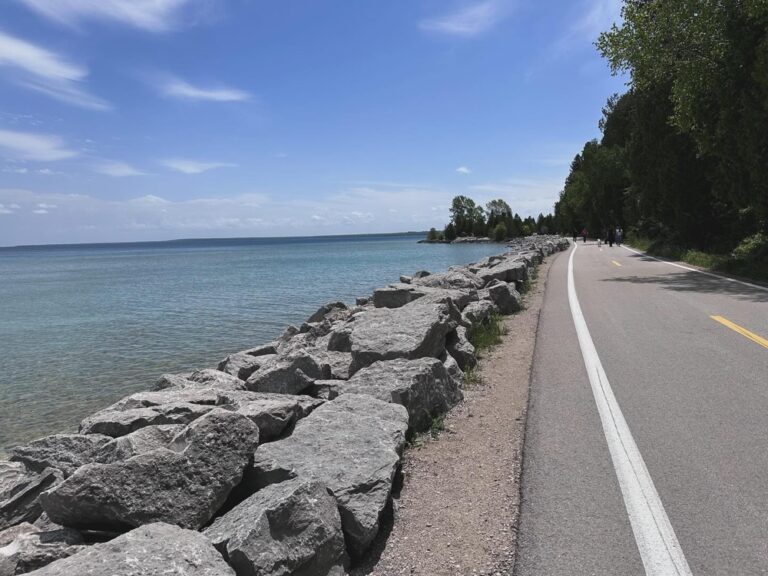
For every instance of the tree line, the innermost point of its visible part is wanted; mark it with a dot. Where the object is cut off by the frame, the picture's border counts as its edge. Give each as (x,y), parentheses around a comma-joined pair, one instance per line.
(683,157)
(495,221)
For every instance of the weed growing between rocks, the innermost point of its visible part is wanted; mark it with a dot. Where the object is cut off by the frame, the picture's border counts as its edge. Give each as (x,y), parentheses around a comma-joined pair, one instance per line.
(472,378)
(483,336)
(438,425)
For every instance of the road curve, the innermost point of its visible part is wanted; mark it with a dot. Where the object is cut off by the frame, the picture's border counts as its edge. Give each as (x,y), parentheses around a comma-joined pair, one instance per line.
(686,355)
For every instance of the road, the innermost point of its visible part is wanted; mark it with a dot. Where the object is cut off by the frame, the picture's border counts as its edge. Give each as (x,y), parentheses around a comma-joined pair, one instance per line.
(658,464)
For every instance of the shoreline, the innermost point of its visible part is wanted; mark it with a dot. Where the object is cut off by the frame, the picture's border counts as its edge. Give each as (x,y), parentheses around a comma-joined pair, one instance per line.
(325,410)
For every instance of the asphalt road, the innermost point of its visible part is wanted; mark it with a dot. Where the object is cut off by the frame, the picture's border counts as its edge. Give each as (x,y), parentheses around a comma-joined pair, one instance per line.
(693,392)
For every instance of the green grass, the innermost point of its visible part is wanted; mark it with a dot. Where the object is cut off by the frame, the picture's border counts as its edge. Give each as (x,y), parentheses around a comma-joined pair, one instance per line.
(438,425)
(472,378)
(484,336)
(735,263)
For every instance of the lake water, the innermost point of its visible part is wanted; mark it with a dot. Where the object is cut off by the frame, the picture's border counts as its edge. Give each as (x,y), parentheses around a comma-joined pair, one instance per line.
(81,326)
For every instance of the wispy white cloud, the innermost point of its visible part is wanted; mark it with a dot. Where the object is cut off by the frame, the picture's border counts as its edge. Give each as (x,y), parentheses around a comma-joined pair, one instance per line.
(187,166)
(177,88)
(117,169)
(463,170)
(151,15)
(36,147)
(471,20)
(598,16)
(47,72)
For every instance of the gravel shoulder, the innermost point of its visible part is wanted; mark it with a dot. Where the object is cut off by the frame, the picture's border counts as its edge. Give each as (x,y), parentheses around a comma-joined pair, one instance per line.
(457,511)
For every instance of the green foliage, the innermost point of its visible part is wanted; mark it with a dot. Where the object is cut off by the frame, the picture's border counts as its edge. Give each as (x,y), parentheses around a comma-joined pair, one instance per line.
(437,426)
(472,378)
(432,234)
(500,232)
(450,232)
(469,219)
(487,334)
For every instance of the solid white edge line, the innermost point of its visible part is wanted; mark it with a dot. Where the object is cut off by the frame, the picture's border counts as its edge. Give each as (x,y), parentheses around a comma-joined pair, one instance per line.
(656,541)
(676,265)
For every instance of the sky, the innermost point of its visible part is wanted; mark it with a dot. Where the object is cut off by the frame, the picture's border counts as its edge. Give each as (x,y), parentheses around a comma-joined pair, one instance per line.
(132,120)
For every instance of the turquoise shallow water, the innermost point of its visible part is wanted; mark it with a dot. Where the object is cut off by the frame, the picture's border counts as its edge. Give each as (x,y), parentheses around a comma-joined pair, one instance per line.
(81,326)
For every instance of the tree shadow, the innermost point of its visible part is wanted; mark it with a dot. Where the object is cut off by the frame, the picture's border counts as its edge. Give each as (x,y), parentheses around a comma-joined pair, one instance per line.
(688,281)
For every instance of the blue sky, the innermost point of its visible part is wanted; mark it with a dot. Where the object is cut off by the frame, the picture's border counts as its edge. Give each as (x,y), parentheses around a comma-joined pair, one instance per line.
(130,120)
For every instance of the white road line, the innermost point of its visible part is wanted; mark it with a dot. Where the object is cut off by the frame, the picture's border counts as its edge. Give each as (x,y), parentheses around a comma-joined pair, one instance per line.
(656,540)
(726,278)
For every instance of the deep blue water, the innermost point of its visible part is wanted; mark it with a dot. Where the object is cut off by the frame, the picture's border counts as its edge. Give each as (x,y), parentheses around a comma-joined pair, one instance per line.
(81,326)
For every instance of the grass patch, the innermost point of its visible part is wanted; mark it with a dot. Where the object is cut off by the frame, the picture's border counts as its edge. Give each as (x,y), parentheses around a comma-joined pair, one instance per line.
(749,259)
(484,336)
(437,426)
(472,378)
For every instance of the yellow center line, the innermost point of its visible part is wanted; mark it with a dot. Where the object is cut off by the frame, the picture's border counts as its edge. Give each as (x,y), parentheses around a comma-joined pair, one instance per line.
(743,331)
(617,264)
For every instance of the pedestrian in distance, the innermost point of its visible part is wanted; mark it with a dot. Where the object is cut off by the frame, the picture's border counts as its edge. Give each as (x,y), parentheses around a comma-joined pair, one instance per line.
(611,236)
(584,235)
(619,235)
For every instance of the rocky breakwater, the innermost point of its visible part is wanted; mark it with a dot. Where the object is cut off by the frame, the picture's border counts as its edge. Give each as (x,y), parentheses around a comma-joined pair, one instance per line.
(281,460)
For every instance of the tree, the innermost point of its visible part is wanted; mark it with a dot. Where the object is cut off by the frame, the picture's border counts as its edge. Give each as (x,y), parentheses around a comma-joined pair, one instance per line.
(432,235)
(463,215)
(500,232)
(450,232)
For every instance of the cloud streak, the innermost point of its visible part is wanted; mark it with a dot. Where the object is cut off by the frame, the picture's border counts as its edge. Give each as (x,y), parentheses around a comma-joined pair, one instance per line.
(470,21)
(149,15)
(177,88)
(118,169)
(34,147)
(47,72)
(186,166)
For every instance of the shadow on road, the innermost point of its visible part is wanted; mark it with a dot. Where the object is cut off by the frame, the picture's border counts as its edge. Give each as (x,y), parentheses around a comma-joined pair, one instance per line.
(684,281)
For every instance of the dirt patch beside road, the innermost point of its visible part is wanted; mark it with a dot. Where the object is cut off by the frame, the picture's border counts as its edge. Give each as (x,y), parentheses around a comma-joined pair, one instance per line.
(458,509)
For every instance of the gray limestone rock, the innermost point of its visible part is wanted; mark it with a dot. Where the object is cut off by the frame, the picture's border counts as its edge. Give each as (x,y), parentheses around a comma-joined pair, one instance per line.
(413,331)
(121,422)
(453,369)
(139,442)
(241,364)
(217,379)
(263,350)
(24,548)
(334,310)
(274,414)
(459,346)
(288,374)
(505,297)
(24,504)
(171,381)
(422,385)
(13,478)
(479,312)
(196,394)
(353,446)
(456,278)
(146,551)
(395,295)
(66,452)
(292,527)
(185,484)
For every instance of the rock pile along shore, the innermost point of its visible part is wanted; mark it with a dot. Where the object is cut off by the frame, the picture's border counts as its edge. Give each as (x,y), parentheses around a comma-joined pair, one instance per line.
(281,461)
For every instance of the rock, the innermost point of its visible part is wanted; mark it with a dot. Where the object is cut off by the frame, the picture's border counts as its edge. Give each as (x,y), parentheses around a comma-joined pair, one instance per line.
(362,301)
(171,381)
(509,270)
(415,330)
(395,295)
(30,548)
(185,484)
(195,394)
(146,551)
(325,389)
(423,386)
(326,310)
(353,446)
(479,312)
(139,442)
(288,374)
(505,297)
(286,336)
(453,369)
(456,278)
(217,379)
(339,364)
(121,422)
(459,346)
(263,350)
(406,279)
(24,504)
(13,478)
(420,274)
(274,414)
(242,365)
(66,452)
(288,528)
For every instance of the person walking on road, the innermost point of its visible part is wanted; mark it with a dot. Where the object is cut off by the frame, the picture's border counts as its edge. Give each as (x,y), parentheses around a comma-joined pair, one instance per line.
(619,234)
(611,236)
(584,235)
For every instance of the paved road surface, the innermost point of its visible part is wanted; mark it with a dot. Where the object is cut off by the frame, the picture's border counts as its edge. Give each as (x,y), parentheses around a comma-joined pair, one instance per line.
(693,391)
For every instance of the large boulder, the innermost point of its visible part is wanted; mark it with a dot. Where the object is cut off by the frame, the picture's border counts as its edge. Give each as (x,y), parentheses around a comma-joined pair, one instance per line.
(456,278)
(66,452)
(25,547)
(146,551)
(288,374)
(121,422)
(330,311)
(216,379)
(242,365)
(422,385)
(204,395)
(292,527)
(479,312)
(505,297)
(13,478)
(274,414)
(353,446)
(413,331)
(24,503)
(185,484)
(396,295)
(141,441)
(459,346)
